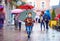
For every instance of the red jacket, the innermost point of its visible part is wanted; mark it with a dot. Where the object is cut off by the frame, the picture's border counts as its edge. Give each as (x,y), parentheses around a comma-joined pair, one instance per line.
(29,22)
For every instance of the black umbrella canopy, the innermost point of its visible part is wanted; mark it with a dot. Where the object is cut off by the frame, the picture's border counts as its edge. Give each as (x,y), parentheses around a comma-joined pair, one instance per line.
(24,14)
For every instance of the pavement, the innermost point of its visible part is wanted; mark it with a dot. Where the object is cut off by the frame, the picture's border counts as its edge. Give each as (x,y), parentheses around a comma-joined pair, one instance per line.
(10,34)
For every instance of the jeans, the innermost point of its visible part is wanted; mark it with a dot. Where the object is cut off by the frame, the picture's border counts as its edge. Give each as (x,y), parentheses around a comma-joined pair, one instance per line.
(42,24)
(1,23)
(16,24)
(19,25)
(37,20)
(29,29)
(47,26)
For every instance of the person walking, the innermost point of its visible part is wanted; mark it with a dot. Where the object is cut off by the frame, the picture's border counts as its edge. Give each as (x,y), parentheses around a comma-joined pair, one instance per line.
(42,20)
(47,18)
(19,23)
(2,18)
(29,24)
(37,19)
(46,21)
(16,22)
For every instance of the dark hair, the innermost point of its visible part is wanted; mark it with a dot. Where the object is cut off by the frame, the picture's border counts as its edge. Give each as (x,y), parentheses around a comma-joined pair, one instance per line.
(30,13)
(42,12)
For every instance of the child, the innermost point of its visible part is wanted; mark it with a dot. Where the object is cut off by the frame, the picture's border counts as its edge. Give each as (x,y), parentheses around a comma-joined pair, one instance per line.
(29,24)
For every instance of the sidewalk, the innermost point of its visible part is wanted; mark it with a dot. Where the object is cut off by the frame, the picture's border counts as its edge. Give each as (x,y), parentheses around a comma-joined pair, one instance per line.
(14,35)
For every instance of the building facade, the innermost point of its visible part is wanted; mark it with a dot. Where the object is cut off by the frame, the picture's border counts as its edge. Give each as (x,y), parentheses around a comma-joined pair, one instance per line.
(39,4)
(57,8)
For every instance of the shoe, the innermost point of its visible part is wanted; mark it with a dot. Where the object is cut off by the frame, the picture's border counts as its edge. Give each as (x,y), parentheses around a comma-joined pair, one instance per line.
(28,36)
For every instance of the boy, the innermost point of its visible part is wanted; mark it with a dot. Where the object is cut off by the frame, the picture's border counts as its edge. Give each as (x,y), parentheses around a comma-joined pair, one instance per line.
(29,24)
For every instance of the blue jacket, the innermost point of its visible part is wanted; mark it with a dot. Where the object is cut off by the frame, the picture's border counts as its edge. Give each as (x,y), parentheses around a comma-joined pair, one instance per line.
(46,18)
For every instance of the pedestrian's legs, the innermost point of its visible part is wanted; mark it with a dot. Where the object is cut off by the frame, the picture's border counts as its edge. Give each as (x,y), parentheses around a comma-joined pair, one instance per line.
(1,26)
(39,20)
(32,27)
(44,26)
(1,23)
(29,28)
(19,25)
(41,26)
(16,24)
(47,26)
(26,28)
(36,19)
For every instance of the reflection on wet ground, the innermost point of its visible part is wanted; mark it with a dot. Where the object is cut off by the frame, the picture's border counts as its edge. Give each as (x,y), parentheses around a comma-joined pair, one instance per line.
(9,34)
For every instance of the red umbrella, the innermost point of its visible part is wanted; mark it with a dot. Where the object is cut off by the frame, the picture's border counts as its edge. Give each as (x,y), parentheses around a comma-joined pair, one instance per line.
(56,18)
(1,7)
(26,6)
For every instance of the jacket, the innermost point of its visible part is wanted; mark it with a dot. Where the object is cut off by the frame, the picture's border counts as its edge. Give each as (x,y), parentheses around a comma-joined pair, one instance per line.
(29,21)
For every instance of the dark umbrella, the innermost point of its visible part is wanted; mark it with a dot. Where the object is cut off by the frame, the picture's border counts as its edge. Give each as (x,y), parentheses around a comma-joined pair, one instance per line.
(23,15)
(28,8)
(1,7)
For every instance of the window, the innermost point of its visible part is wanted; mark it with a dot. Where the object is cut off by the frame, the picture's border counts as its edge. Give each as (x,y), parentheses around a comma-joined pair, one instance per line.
(42,5)
(42,2)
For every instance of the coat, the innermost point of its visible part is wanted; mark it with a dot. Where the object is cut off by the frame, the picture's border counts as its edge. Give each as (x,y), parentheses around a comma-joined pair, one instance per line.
(28,21)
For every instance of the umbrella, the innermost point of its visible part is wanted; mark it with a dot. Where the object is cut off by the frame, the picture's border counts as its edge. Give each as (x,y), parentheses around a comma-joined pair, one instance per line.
(23,15)
(47,13)
(58,15)
(1,7)
(56,18)
(26,6)
(17,11)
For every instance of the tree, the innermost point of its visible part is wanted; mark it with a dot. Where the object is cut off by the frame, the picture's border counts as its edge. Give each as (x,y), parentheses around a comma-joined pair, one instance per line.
(17,3)
(53,14)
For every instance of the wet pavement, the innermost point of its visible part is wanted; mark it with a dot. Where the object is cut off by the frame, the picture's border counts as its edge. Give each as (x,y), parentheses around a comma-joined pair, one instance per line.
(9,34)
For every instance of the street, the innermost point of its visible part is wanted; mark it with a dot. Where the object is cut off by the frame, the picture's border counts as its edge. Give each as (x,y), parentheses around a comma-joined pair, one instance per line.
(38,10)
(9,34)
